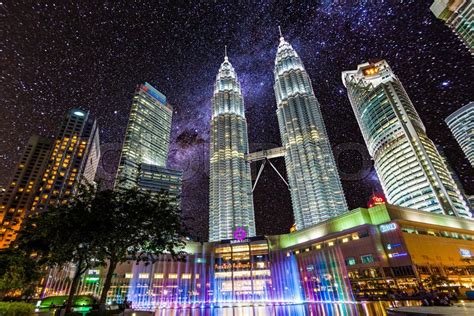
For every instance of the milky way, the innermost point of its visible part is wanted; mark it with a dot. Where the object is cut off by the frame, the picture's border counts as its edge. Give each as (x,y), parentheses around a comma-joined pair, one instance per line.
(89,55)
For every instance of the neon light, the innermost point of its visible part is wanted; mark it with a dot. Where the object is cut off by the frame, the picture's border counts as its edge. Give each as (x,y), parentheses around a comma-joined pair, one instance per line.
(387,227)
(240,234)
(390,246)
(396,254)
(376,200)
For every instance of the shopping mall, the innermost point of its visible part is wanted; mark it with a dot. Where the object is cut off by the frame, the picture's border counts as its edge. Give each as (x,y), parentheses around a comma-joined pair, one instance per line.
(362,253)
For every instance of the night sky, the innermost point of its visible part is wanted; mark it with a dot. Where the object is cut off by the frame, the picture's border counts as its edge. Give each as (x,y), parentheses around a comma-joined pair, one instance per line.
(89,55)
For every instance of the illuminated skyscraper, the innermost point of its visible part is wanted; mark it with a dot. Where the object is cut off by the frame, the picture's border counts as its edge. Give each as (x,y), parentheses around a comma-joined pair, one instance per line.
(16,201)
(231,202)
(458,16)
(411,170)
(461,124)
(74,159)
(146,144)
(316,191)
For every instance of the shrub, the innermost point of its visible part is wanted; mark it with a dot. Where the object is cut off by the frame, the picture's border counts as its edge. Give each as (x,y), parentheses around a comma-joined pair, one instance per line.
(16,309)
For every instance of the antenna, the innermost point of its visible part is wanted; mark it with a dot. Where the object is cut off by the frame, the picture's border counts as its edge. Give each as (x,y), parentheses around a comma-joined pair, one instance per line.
(225,51)
(279,29)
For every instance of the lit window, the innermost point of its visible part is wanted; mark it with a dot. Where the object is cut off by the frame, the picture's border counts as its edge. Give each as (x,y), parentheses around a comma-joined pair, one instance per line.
(350,261)
(367,259)
(172,276)
(158,276)
(128,275)
(143,275)
(331,243)
(344,240)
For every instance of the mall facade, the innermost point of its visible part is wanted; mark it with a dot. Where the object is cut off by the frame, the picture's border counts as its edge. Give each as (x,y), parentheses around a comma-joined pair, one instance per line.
(360,253)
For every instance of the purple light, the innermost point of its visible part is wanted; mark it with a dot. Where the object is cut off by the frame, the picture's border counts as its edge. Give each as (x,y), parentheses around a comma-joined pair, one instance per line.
(240,234)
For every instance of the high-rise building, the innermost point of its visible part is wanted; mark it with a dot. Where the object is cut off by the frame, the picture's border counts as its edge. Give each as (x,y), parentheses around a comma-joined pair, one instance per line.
(146,144)
(74,159)
(458,16)
(410,169)
(230,197)
(18,197)
(457,180)
(461,124)
(316,191)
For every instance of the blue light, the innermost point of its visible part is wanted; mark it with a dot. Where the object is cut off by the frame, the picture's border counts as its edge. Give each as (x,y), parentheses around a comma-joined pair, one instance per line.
(465,253)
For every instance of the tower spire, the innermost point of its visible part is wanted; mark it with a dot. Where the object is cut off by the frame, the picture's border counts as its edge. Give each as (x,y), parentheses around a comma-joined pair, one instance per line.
(279,30)
(225,52)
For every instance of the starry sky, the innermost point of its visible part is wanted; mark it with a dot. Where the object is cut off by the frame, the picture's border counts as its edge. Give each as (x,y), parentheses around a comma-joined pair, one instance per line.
(92,54)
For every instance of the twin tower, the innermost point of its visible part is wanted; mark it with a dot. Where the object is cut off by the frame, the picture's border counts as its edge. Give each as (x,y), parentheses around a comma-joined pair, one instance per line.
(316,190)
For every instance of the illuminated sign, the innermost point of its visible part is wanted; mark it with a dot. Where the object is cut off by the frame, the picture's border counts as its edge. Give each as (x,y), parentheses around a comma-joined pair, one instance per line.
(92,279)
(376,200)
(240,234)
(371,71)
(390,246)
(465,253)
(387,227)
(395,255)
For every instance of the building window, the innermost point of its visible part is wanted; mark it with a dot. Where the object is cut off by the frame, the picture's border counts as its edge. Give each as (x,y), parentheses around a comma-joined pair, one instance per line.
(367,259)
(128,275)
(350,261)
(143,275)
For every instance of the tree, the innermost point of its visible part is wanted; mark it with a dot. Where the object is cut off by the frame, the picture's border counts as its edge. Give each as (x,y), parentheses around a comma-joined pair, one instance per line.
(110,226)
(137,226)
(19,272)
(64,234)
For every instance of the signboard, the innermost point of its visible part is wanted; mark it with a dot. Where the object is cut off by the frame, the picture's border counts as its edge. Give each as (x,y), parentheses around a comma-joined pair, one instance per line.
(387,227)
(376,200)
(240,234)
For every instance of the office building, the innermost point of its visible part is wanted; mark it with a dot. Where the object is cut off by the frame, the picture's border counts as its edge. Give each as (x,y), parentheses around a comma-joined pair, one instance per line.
(230,186)
(18,197)
(74,159)
(146,144)
(411,171)
(458,15)
(316,191)
(461,124)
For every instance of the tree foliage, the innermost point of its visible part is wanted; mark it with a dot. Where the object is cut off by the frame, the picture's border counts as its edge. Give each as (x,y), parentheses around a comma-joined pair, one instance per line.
(19,273)
(64,234)
(136,226)
(105,228)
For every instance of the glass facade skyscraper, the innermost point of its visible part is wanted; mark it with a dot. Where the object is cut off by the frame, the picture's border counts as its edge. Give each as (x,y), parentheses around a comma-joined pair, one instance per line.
(230,197)
(16,201)
(461,124)
(146,144)
(74,158)
(410,169)
(458,16)
(316,190)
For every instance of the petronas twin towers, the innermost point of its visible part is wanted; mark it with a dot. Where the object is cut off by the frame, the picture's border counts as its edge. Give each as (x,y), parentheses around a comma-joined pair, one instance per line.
(316,191)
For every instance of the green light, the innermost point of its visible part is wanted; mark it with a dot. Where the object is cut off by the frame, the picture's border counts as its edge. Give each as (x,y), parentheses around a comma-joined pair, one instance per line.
(92,279)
